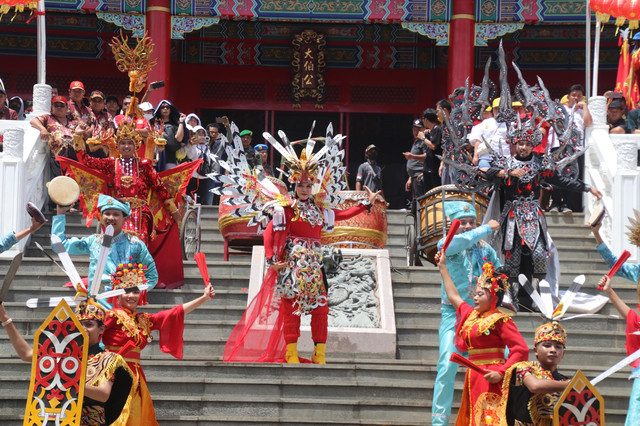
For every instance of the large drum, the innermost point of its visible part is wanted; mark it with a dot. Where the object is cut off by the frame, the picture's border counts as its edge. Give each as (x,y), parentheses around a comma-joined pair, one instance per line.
(234,230)
(431,223)
(367,231)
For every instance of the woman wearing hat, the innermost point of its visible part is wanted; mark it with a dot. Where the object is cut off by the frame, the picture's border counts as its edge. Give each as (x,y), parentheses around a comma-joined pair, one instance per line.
(483,331)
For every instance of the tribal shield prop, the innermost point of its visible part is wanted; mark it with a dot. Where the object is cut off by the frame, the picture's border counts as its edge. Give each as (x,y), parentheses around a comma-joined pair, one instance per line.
(579,404)
(58,369)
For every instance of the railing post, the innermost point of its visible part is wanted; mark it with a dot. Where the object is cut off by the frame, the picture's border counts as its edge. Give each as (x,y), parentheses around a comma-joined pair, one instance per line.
(12,176)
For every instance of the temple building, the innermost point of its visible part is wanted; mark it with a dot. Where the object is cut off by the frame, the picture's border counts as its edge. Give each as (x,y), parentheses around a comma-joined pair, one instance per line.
(367,66)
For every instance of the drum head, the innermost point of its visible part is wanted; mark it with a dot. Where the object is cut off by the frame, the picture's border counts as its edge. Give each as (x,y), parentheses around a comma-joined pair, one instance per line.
(63,190)
(597,215)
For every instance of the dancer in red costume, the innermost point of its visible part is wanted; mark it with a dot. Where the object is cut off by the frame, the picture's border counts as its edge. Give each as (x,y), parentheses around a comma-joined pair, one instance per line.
(293,285)
(131,330)
(294,251)
(484,331)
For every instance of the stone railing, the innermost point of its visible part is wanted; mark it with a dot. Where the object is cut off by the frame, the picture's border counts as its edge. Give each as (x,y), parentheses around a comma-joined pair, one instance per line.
(24,169)
(611,166)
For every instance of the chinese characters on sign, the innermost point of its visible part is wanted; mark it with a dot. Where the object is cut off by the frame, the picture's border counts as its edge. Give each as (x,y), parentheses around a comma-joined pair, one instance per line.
(308,67)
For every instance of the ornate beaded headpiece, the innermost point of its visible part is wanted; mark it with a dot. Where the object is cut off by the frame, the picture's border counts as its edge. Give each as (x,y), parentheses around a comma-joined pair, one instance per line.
(128,275)
(551,331)
(127,130)
(302,170)
(90,310)
(492,282)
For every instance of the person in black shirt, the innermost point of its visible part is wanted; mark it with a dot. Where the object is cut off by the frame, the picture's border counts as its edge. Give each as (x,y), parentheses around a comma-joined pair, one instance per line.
(432,138)
(617,124)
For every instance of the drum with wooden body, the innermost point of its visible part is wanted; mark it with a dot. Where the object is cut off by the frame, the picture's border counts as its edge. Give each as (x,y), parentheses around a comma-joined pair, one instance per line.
(431,223)
(235,231)
(367,231)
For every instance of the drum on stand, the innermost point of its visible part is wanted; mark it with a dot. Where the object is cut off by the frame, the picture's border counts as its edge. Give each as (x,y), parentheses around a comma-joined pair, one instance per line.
(367,231)
(431,224)
(234,230)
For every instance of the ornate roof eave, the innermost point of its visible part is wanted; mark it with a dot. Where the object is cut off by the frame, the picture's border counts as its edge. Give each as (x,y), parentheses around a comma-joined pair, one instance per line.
(179,24)
(440,31)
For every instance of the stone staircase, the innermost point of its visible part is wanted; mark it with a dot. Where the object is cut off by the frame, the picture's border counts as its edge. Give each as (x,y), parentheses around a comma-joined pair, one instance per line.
(352,389)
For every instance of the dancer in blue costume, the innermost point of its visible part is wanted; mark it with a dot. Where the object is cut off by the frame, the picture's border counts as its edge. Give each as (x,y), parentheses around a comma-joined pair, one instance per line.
(465,256)
(632,273)
(125,248)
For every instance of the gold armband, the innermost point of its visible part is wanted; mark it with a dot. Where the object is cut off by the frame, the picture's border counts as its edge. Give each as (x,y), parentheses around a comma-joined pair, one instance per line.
(78,142)
(171,206)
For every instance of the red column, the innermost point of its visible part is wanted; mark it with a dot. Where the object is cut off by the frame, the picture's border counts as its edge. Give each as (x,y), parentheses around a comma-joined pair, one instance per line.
(462,34)
(158,27)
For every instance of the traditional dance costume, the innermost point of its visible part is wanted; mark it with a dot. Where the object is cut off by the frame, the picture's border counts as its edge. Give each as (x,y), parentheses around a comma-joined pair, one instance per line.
(465,256)
(484,336)
(124,326)
(523,407)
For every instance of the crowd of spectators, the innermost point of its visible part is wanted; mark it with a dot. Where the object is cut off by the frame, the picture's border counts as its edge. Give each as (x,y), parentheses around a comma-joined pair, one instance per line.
(98,115)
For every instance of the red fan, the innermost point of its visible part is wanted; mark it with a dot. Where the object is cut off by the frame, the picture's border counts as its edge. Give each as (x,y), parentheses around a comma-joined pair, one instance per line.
(452,231)
(616,266)
(459,359)
(201,260)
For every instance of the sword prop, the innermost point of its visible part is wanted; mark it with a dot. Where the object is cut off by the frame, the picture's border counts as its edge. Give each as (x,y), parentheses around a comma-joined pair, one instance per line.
(452,231)
(459,359)
(70,269)
(73,301)
(102,260)
(569,295)
(616,266)
(50,258)
(622,363)
(11,273)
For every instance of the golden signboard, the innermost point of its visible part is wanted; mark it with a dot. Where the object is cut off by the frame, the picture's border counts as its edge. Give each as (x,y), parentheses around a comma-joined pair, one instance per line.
(308,66)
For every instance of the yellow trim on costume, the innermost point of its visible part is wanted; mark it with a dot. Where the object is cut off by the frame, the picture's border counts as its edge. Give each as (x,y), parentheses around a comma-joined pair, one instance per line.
(346,231)
(230,220)
(463,16)
(158,9)
(489,361)
(485,351)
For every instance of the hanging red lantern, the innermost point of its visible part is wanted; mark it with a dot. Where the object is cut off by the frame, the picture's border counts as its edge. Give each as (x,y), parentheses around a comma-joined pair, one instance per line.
(602,9)
(631,11)
(616,9)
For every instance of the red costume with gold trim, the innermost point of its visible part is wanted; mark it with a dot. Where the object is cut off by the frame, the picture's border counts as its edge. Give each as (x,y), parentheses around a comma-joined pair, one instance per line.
(133,329)
(485,336)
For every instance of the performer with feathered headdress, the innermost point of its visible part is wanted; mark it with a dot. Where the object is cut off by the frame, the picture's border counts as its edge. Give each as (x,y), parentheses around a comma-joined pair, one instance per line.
(154,197)
(294,283)
(483,331)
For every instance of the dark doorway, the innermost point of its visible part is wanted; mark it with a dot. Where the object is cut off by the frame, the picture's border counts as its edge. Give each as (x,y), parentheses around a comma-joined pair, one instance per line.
(391,134)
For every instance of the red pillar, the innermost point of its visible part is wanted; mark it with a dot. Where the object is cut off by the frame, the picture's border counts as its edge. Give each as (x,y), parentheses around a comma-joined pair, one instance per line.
(462,34)
(158,27)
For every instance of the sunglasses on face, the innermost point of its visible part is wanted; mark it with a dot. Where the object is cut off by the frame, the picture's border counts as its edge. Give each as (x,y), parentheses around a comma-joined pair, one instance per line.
(59,105)
(165,107)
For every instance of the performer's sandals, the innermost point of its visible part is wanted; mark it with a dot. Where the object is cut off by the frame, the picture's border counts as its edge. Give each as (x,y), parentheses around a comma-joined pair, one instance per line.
(318,354)
(291,356)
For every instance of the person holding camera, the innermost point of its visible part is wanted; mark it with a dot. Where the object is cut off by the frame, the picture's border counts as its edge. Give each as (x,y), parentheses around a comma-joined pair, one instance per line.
(369,172)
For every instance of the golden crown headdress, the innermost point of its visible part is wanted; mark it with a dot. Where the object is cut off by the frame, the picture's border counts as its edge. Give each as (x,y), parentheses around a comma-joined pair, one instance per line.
(127,130)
